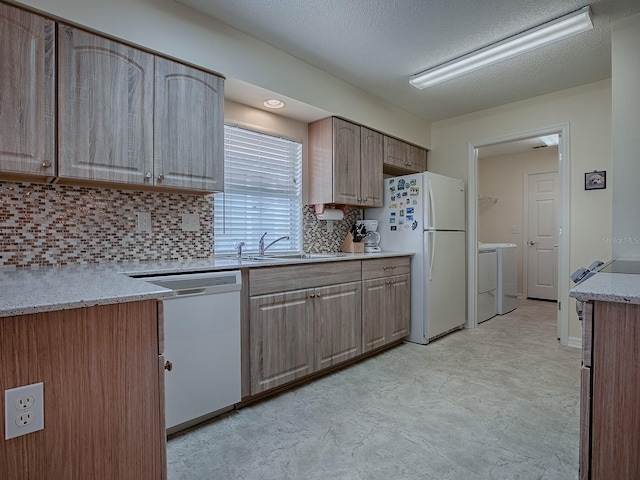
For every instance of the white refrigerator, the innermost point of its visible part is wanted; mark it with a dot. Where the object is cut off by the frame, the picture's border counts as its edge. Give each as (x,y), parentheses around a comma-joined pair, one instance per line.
(424,213)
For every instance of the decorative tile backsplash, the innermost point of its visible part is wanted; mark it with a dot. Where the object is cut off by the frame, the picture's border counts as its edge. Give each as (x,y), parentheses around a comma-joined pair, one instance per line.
(316,239)
(49,225)
(45,225)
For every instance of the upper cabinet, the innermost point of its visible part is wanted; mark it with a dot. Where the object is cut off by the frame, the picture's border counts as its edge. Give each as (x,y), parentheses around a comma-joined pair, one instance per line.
(345,163)
(188,127)
(130,117)
(27,98)
(401,157)
(105,109)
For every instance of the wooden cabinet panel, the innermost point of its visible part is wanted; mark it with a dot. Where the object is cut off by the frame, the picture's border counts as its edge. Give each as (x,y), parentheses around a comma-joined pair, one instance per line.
(102,387)
(105,101)
(346,162)
(337,320)
(401,157)
(281,339)
(27,94)
(585,422)
(371,181)
(398,308)
(373,314)
(615,422)
(188,127)
(296,277)
(384,267)
(587,334)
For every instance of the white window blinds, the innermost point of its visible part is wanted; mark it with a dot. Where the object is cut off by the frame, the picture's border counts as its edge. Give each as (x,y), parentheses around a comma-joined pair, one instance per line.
(262,193)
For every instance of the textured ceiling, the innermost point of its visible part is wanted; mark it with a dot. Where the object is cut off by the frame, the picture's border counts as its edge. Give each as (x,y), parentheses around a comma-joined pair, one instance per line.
(378,44)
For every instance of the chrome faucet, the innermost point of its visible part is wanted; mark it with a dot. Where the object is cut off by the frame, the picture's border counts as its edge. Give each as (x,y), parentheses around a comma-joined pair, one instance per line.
(239,246)
(262,248)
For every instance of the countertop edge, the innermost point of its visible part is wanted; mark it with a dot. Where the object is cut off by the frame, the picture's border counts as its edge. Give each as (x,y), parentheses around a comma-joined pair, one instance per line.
(609,287)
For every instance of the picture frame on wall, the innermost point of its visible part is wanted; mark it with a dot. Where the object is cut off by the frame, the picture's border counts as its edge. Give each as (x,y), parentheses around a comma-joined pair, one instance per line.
(596,180)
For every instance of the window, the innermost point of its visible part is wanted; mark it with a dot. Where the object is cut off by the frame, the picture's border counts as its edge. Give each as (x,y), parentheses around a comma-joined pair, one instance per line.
(262,193)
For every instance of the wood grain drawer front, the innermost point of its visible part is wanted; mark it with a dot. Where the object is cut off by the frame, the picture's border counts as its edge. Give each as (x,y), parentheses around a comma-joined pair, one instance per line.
(385,267)
(27,113)
(298,277)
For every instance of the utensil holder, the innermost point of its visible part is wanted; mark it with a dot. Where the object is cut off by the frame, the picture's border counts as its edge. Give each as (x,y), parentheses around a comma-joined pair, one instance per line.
(349,246)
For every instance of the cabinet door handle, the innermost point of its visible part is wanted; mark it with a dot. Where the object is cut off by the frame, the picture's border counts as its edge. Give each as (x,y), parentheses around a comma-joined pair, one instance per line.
(46,164)
(147,176)
(168,366)
(160,177)
(312,295)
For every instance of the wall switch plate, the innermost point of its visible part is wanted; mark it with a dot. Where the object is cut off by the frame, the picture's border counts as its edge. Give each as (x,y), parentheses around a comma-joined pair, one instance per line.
(144,222)
(515,229)
(23,410)
(190,222)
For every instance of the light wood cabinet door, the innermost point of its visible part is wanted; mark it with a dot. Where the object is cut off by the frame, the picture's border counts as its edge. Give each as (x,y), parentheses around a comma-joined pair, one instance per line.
(374,301)
(188,128)
(338,323)
(385,310)
(105,103)
(371,159)
(346,162)
(281,339)
(27,93)
(398,308)
(403,157)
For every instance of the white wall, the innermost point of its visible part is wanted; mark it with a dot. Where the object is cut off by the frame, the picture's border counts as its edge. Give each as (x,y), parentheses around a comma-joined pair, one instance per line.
(173,29)
(587,110)
(625,64)
(503,178)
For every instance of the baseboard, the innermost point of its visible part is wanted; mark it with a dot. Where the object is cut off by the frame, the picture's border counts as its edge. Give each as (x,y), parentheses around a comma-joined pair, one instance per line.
(575,342)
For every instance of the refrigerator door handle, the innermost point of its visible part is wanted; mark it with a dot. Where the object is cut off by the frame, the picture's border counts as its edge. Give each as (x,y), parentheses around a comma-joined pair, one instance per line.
(432,208)
(432,248)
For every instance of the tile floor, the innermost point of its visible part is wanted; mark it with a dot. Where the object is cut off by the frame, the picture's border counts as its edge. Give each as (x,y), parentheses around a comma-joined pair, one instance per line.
(497,402)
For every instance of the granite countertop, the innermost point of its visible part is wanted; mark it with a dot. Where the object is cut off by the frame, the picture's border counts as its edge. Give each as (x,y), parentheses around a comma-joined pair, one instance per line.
(25,291)
(609,287)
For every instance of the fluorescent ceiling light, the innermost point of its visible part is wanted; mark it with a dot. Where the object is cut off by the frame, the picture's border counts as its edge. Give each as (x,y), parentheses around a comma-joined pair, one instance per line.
(545,34)
(549,140)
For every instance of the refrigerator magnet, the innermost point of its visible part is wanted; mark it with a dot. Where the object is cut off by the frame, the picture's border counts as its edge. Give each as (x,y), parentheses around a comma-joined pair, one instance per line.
(393,228)
(413,182)
(414,225)
(413,191)
(410,210)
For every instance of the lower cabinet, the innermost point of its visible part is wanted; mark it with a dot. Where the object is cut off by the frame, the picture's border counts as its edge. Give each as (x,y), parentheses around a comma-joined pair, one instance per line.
(610,394)
(302,319)
(102,372)
(385,311)
(294,334)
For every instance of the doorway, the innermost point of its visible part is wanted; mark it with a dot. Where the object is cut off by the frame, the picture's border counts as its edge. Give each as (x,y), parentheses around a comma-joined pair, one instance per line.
(562,263)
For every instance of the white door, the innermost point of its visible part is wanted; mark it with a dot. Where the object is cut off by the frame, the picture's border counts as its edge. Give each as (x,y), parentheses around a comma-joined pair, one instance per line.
(542,241)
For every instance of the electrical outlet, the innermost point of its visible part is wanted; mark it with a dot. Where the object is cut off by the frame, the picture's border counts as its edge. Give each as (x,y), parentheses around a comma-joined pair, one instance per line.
(144,222)
(190,222)
(23,410)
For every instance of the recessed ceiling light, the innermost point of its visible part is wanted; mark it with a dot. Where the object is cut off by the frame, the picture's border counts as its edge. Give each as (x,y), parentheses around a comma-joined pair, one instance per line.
(273,103)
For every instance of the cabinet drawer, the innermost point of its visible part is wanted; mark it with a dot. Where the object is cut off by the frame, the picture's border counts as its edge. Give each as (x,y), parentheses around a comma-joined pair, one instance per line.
(298,277)
(385,267)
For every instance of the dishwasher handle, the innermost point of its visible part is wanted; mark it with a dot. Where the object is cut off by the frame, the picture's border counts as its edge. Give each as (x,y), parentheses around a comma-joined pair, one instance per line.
(190,291)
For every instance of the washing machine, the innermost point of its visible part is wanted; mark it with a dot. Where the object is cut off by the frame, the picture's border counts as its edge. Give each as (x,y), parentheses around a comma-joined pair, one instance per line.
(507,266)
(487,282)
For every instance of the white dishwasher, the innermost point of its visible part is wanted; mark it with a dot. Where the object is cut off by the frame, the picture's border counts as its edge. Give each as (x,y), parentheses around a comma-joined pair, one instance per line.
(202,342)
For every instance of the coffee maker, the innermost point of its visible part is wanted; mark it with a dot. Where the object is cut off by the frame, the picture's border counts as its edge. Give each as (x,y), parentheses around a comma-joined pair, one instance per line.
(372,239)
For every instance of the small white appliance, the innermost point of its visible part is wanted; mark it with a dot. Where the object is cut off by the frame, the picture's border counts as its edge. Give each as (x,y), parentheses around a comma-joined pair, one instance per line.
(372,239)
(487,282)
(424,213)
(202,342)
(507,290)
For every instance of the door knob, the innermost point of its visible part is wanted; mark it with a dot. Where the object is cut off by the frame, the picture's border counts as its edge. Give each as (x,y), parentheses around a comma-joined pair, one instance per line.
(532,242)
